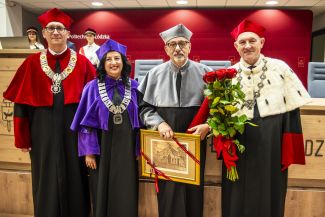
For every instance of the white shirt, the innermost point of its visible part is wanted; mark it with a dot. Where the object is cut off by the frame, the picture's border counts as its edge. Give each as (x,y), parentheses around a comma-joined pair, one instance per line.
(37,45)
(54,53)
(90,52)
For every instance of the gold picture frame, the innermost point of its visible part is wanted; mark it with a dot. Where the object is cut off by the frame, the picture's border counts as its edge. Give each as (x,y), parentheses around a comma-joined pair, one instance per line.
(169,158)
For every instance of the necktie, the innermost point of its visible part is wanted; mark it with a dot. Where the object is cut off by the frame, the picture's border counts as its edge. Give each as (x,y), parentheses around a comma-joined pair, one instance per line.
(116,97)
(117,118)
(57,66)
(178,86)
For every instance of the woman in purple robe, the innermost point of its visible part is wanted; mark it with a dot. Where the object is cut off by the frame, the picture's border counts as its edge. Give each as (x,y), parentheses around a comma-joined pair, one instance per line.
(107,124)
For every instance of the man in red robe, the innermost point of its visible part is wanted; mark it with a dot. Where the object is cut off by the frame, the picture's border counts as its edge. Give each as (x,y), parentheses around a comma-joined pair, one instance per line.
(46,90)
(273,95)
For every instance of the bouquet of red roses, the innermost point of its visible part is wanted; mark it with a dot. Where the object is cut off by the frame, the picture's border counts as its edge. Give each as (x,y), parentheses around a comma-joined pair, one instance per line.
(224,98)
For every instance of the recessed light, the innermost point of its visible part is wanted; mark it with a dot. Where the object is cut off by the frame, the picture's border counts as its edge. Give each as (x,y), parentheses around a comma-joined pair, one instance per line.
(97,4)
(272,2)
(182,2)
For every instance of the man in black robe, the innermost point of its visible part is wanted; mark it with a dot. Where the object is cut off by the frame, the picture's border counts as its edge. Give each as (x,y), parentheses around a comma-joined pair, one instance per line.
(46,90)
(172,94)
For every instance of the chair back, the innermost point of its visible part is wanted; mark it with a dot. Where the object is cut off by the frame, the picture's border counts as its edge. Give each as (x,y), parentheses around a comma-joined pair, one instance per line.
(316,79)
(144,66)
(216,64)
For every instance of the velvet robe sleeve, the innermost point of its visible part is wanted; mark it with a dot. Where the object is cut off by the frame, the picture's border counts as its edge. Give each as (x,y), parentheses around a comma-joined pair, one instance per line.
(88,142)
(21,126)
(202,115)
(292,140)
(87,136)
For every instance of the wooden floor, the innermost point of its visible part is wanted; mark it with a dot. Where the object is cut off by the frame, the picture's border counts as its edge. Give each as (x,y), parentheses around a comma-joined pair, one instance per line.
(16,198)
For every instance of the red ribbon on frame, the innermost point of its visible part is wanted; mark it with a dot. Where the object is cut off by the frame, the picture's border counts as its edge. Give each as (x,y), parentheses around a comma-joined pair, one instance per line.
(186,151)
(157,171)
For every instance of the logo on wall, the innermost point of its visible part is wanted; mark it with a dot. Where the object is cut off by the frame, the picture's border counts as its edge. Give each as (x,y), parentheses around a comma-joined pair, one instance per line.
(301,62)
(81,36)
(7,114)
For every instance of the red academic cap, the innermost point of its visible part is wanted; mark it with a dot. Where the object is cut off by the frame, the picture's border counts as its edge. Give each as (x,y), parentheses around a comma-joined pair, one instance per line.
(55,15)
(247,26)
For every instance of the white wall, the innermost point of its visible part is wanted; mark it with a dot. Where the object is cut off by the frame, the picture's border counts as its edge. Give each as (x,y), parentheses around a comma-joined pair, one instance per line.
(14,19)
(10,18)
(3,18)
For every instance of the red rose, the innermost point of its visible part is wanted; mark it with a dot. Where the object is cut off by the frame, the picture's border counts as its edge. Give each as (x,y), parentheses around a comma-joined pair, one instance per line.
(209,77)
(221,73)
(231,73)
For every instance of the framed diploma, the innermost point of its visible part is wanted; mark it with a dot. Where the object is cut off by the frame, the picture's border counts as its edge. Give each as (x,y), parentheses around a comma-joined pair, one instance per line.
(175,159)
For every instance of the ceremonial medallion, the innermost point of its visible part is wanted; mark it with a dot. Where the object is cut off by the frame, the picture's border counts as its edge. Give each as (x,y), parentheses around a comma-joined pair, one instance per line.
(117,118)
(55,88)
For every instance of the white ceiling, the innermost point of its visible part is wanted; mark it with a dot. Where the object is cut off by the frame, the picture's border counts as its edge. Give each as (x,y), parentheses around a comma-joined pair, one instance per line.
(38,6)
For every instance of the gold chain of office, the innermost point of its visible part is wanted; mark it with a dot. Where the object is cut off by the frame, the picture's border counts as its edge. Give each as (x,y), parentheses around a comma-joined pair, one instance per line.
(57,78)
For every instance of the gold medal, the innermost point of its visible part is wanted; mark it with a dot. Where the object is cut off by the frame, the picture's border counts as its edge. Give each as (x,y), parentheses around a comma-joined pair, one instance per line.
(117,118)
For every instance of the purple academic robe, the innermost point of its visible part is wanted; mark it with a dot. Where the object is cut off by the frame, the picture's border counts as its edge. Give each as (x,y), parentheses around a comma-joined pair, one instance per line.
(92,113)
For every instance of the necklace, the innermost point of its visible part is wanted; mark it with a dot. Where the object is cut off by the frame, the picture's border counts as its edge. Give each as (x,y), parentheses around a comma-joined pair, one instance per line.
(117,110)
(57,78)
(250,103)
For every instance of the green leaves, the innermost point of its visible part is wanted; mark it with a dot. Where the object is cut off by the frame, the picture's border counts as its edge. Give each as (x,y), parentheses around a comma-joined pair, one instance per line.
(215,101)
(242,118)
(207,92)
(225,98)
(231,131)
(231,108)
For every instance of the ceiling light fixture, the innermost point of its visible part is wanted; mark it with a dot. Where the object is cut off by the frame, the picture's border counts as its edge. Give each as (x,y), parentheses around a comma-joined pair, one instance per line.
(97,4)
(271,2)
(182,2)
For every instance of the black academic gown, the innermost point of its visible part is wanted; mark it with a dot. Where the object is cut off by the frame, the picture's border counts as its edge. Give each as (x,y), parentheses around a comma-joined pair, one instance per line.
(175,94)
(114,184)
(261,188)
(59,180)
(178,199)
(42,122)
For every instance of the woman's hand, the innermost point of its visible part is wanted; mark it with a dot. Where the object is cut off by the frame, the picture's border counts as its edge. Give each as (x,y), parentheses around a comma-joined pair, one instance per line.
(201,129)
(91,161)
(26,149)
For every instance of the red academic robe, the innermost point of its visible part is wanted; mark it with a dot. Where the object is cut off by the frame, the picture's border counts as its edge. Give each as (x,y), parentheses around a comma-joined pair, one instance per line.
(31,86)
(42,121)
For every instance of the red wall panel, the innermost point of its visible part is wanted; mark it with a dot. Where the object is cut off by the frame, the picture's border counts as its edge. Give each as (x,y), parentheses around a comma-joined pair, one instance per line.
(288,35)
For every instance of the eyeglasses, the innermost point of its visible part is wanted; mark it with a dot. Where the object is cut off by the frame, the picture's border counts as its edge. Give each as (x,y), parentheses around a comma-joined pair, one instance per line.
(59,29)
(243,43)
(174,44)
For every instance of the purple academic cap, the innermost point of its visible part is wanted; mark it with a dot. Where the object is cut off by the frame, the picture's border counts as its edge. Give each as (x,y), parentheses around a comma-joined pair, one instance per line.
(110,45)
